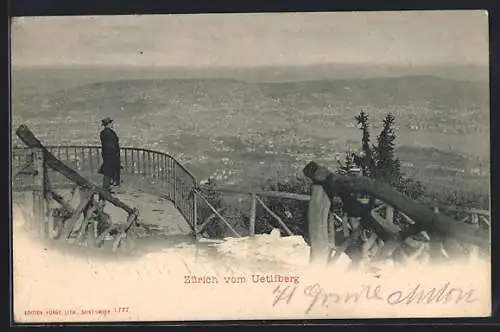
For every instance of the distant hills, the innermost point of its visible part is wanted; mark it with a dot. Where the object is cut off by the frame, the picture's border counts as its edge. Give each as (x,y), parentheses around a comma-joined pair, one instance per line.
(38,80)
(142,95)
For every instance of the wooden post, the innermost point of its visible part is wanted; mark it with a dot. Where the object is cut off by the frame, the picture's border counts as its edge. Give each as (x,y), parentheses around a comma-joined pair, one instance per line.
(345,226)
(71,222)
(474,219)
(34,205)
(253,213)
(331,230)
(389,214)
(319,207)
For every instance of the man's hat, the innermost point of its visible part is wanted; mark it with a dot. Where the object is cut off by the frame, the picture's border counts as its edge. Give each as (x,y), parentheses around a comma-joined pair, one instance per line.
(106,121)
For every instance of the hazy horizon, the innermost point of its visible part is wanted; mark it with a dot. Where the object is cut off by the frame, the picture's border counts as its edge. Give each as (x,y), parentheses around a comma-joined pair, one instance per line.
(209,67)
(277,74)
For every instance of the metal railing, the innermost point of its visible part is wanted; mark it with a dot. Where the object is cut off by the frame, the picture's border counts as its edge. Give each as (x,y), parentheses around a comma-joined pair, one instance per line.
(145,170)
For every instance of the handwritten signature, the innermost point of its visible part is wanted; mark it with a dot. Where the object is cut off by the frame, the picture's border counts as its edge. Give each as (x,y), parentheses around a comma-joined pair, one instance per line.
(318,297)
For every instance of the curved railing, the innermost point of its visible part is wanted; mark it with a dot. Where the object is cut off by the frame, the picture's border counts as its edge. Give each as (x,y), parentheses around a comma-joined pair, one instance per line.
(145,170)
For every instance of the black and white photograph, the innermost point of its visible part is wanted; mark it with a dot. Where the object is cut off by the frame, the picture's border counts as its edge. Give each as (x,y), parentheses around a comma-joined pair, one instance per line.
(250,166)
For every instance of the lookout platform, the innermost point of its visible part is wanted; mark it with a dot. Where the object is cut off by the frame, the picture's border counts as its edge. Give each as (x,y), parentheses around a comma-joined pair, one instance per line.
(155,211)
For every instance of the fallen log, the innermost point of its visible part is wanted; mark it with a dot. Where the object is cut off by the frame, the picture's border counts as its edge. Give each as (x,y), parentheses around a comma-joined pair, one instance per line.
(423,216)
(25,134)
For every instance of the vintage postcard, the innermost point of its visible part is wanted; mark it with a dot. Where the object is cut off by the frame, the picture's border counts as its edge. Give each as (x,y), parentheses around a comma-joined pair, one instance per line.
(250,166)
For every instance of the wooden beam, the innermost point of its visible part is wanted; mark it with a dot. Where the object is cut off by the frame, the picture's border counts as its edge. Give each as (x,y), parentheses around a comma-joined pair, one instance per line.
(331,230)
(345,225)
(253,213)
(386,223)
(74,218)
(422,216)
(84,227)
(289,232)
(278,194)
(217,213)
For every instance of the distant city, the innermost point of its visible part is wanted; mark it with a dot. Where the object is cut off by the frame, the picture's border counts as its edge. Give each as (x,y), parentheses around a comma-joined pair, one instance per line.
(234,131)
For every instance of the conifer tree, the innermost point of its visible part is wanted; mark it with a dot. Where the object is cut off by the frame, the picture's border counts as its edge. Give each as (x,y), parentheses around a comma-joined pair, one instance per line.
(365,160)
(387,166)
(379,161)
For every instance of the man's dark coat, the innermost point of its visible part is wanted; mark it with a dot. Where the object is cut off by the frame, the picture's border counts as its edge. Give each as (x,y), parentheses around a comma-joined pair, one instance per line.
(110,155)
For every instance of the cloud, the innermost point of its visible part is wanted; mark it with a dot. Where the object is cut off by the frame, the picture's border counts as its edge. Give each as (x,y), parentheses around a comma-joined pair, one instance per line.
(254,39)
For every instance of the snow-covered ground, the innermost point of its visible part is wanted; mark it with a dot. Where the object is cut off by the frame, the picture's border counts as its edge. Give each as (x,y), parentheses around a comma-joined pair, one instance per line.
(264,277)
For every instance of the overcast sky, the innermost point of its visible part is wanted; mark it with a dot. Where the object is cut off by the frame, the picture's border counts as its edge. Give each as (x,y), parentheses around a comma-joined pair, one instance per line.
(409,38)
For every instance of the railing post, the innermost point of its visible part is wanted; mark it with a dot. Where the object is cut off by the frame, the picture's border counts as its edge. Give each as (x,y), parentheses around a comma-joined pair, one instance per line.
(253,213)
(88,162)
(331,230)
(163,172)
(195,212)
(345,224)
(174,178)
(149,169)
(125,157)
(133,161)
(155,168)
(319,207)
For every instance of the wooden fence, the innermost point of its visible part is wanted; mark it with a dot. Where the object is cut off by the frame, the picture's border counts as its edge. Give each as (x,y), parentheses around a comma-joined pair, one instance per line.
(160,174)
(327,185)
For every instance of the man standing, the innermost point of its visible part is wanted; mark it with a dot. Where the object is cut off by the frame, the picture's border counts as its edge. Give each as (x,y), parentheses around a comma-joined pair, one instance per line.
(110,168)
